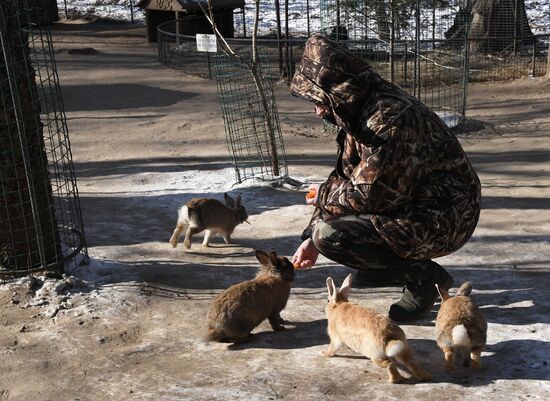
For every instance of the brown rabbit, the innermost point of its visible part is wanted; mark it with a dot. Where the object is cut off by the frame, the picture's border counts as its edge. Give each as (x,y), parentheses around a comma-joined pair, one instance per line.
(368,333)
(239,309)
(460,327)
(210,215)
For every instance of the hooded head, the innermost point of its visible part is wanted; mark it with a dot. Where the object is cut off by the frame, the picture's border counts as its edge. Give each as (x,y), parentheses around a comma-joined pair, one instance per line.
(330,75)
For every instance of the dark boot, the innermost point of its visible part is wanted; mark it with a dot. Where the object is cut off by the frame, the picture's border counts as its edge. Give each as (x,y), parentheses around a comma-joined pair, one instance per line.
(376,278)
(420,294)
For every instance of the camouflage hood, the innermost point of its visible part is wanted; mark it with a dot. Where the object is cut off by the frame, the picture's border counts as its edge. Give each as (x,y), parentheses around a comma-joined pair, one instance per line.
(330,75)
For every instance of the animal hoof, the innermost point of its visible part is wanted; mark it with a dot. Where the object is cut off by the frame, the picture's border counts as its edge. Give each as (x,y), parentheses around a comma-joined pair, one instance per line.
(174,244)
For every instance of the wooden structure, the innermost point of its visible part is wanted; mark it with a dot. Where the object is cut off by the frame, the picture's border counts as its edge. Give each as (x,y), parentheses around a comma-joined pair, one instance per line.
(190,14)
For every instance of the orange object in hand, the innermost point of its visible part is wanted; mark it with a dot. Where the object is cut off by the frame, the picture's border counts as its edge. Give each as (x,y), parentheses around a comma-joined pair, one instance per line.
(311,194)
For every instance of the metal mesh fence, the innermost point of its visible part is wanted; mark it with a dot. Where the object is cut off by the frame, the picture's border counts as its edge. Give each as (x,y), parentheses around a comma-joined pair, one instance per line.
(279,18)
(529,59)
(250,116)
(408,43)
(388,33)
(41,225)
(180,52)
(412,55)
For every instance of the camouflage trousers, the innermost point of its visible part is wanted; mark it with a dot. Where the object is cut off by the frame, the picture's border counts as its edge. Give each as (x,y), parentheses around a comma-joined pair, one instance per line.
(353,241)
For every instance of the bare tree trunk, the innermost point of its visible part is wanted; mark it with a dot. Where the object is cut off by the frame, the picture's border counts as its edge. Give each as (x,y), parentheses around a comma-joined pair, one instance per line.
(382,20)
(28,231)
(499,25)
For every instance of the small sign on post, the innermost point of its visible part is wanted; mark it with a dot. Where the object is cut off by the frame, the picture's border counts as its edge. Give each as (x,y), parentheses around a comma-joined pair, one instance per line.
(206,43)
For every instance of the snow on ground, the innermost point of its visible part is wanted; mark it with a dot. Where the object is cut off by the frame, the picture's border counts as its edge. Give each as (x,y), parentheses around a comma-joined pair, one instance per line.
(538,12)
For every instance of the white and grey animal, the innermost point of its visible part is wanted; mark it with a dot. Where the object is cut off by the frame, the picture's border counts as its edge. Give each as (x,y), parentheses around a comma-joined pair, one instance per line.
(211,216)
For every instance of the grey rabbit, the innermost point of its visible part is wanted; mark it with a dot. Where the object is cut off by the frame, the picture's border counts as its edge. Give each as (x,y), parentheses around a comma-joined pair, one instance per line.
(210,215)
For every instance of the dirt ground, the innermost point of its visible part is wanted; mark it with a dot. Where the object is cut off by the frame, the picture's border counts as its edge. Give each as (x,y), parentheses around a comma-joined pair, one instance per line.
(145,139)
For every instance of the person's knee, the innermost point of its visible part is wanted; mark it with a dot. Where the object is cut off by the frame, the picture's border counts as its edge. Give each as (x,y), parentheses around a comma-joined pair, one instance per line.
(324,236)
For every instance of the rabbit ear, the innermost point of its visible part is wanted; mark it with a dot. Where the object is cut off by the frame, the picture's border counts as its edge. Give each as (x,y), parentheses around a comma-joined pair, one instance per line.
(346,286)
(442,293)
(331,289)
(238,201)
(273,258)
(262,257)
(465,289)
(228,200)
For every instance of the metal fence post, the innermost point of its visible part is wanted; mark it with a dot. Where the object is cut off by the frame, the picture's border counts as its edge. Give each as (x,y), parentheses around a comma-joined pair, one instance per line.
(534,60)
(244,22)
(416,83)
(287,44)
(307,16)
(466,65)
(392,41)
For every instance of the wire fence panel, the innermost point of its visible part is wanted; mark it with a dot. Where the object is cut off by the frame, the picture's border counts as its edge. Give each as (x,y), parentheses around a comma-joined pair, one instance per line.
(279,18)
(40,218)
(180,52)
(253,133)
(503,26)
(408,42)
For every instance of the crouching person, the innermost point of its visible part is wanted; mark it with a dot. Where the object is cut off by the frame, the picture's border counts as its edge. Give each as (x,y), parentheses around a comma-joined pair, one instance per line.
(402,192)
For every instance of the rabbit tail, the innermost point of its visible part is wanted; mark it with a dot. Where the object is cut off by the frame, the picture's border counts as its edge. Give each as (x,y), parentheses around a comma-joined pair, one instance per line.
(460,336)
(394,348)
(183,215)
(403,353)
(183,219)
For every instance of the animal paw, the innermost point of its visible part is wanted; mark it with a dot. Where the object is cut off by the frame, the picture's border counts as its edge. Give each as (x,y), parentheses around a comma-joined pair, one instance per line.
(326,353)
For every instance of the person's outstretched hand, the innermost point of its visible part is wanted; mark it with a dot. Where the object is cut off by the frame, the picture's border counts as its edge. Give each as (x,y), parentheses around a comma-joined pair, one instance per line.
(306,255)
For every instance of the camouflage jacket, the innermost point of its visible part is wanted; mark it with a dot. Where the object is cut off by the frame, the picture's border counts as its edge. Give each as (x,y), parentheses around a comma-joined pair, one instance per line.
(397,162)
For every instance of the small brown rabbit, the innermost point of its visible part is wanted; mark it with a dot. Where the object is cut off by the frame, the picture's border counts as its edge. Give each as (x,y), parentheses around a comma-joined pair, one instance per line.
(368,333)
(239,309)
(210,215)
(460,327)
